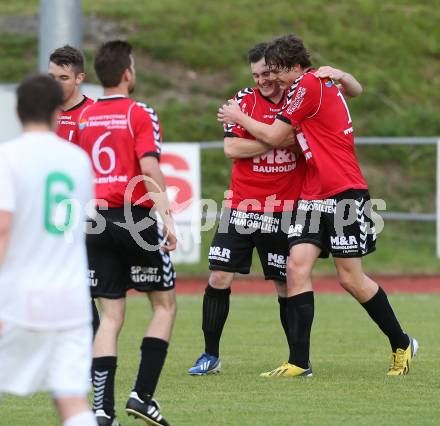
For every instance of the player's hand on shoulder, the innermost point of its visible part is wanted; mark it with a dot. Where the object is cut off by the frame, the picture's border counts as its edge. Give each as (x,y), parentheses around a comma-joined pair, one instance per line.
(330,72)
(229,112)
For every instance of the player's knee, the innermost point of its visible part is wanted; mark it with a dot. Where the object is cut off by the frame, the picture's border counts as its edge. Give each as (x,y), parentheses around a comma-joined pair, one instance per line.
(171,309)
(297,272)
(349,282)
(112,319)
(220,279)
(166,307)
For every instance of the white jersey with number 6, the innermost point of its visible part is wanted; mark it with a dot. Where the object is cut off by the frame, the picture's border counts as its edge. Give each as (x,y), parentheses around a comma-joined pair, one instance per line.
(45,182)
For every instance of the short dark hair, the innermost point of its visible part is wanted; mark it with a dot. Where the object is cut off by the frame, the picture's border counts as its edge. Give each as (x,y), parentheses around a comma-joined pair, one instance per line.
(287,51)
(257,53)
(38,96)
(111,60)
(68,55)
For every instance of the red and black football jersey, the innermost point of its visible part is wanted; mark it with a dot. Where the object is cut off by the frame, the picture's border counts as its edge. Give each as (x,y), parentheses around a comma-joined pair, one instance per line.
(117,132)
(326,137)
(272,181)
(68,120)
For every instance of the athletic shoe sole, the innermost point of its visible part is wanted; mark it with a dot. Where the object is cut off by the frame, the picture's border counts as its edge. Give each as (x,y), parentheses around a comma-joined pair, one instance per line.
(137,415)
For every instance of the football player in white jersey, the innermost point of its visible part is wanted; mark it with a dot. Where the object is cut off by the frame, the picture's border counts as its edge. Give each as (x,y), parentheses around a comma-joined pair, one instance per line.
(45,315)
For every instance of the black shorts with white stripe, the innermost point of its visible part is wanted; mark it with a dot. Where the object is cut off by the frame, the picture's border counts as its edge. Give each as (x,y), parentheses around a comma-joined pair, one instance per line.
(125,253)
(340,225)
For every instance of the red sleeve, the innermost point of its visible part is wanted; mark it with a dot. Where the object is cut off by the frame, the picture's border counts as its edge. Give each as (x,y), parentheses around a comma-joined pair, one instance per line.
(146,130)
(246,100)
(304,102)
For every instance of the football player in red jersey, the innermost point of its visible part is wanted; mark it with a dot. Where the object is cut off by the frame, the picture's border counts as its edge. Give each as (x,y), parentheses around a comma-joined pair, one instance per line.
(265,186)
(66,66)
(264,183)
(123,138)
(334,208)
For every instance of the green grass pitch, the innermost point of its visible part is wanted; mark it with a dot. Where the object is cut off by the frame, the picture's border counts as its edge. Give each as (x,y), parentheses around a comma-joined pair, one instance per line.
(349,355)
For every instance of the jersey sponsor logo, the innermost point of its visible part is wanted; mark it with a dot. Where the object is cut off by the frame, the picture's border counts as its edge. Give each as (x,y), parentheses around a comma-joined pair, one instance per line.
(346,243)
(109,121)
(324,206)
(219,253)
(296,103)
(274,169)
(269,117)
(276,260)
(143,274)
(295,230)
(110,179)
(65,120)
(257,221)
(93,281)
(275,110)
(82,124)
(291,91)
(328,82)
(284,159)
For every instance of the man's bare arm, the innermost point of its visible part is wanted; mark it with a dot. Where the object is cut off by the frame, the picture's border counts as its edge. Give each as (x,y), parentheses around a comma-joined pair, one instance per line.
(273,135)
(236,148)
(350,86)
(5,232)
(155,184)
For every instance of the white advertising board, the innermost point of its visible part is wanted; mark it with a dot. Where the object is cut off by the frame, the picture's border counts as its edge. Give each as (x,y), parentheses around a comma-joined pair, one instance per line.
(180,163)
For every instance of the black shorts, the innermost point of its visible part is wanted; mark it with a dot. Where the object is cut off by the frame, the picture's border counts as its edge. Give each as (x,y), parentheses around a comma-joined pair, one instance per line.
(340,225)
(239,232)
(121,258)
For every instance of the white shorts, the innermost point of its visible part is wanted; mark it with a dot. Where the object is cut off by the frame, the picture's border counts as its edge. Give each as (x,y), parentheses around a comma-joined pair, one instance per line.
(57,361)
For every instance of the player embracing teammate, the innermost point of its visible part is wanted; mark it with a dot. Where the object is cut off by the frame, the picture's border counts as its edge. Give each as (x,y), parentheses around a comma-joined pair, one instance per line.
(265,186)
(333,211)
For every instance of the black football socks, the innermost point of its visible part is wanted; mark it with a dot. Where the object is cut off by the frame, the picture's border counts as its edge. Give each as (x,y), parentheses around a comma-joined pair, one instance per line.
(153,354)
(283,315)
(103,377)
(215,313)
(300,312)
(381,312)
